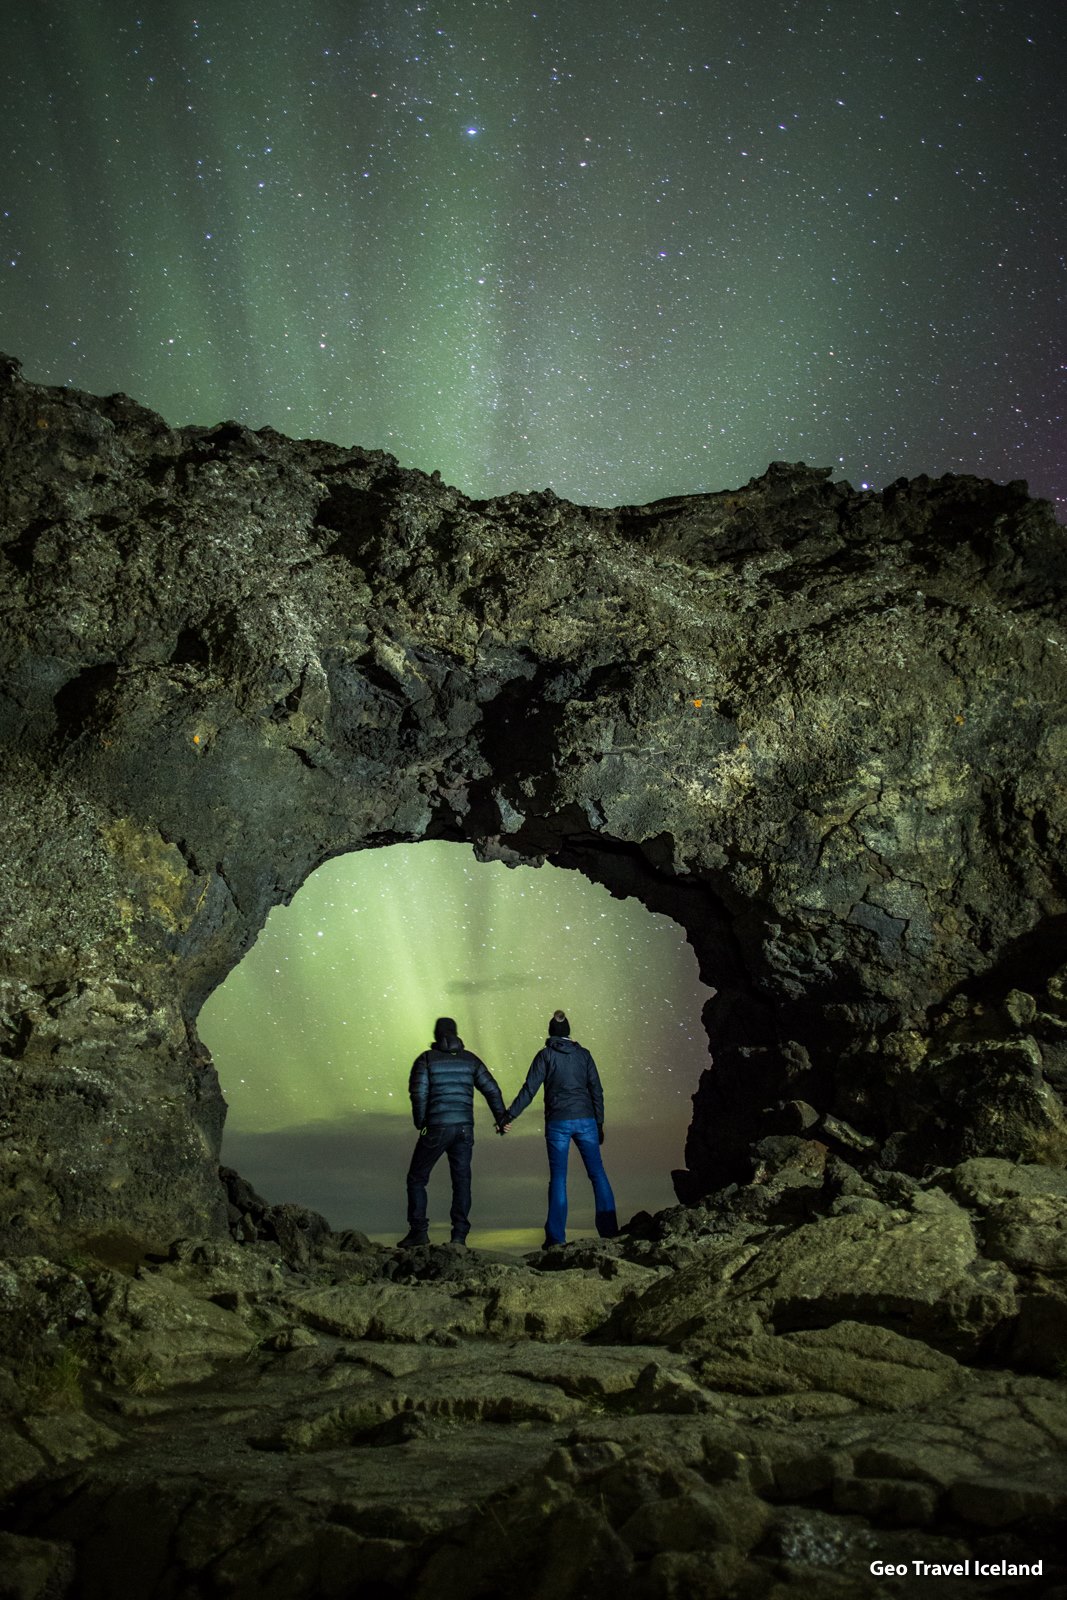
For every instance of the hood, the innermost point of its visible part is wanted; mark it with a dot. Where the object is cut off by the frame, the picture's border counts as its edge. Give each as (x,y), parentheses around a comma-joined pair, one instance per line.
(450,1042)
(565,1043)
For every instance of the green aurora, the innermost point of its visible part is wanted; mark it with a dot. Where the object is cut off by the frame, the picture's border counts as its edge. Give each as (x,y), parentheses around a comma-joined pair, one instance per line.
(629,251)
(314,1033)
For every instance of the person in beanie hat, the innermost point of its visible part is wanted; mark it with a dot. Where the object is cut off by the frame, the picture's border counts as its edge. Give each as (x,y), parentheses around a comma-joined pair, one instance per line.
(574,1110)
(442,1084)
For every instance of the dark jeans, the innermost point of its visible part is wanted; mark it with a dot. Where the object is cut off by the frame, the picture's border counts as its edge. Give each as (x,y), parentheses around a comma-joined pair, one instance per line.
(558,1136)
(456,1141)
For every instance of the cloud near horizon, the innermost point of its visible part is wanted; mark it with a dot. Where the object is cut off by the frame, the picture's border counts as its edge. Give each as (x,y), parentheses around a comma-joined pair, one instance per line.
(353,1172)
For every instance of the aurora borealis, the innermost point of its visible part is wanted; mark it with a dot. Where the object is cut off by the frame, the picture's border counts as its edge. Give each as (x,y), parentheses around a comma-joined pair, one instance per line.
(629,251)
(315,1032)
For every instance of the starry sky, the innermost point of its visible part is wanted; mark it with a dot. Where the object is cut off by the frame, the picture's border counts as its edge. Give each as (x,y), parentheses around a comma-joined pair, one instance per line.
(315,1031)
(629,251)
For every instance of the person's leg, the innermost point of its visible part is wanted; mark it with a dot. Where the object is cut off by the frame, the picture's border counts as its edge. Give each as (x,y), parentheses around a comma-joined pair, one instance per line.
(460,1150)
(427,1150)
(558,1142)
(587,1139)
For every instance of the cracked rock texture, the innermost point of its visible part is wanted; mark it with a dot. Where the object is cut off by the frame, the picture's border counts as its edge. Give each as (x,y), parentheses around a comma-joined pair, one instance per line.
(660,1416)
(823,730)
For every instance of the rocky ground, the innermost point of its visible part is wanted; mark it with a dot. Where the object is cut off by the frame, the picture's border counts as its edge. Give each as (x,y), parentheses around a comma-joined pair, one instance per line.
(763,1396)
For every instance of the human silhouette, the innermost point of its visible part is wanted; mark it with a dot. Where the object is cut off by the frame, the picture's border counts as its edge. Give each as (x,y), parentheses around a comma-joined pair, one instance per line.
(574,1110)
(442,1084)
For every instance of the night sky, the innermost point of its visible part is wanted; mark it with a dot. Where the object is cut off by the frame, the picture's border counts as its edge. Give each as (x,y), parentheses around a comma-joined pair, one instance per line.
(627,250)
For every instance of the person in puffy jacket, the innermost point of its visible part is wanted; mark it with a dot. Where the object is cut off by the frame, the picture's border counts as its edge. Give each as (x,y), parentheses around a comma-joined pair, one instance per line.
(574,1109)
(442,1084)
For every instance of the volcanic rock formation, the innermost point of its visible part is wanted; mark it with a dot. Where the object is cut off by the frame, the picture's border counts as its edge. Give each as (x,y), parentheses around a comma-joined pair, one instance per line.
(825,731)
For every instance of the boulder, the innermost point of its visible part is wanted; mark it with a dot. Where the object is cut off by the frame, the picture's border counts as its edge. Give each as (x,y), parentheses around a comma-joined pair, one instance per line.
(469,1396)
(1002,1104)
(153,1333)
(1029,1233)
(206,1267)
(915,1272)
(1037,1492)
(555,1306)
(34,1569)
(66,1436)
(20,1462)
(42,1307)
(387,1311)
(685,1303)
(868,1364)
(984,1181)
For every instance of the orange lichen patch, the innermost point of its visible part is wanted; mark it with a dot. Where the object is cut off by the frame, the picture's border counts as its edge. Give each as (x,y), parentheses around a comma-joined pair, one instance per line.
(42,422)
(959,720)
(196,738)
(697,703)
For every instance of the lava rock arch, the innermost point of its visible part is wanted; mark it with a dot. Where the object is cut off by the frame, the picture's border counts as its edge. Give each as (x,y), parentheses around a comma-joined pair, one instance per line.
(824,730)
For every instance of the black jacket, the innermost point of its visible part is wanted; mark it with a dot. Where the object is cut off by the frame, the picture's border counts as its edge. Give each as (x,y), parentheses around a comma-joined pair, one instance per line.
(572,1083)
(442,1084)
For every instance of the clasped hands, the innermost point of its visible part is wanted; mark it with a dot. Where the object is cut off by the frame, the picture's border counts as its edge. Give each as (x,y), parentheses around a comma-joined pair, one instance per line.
(502,1127)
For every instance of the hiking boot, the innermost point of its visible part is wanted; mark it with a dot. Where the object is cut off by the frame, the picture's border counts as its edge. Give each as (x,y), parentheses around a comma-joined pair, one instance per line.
(459,1240)
(607,1224)
(412,1240)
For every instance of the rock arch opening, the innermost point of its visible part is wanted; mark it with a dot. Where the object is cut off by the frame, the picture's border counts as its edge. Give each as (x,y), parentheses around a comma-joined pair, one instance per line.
(823,731)
(312,1034)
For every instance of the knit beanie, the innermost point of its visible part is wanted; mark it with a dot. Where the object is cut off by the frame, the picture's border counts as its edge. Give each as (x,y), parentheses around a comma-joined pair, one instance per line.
(444,1028)
(558,1027)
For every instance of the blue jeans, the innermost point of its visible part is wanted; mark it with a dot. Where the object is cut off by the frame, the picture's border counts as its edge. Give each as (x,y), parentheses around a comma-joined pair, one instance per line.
(558,1136)
(456,1141)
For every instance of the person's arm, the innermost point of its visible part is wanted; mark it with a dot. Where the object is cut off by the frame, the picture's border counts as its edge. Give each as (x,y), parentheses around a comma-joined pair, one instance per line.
(419,1090)
(596,1091)
(534,1079)
(487,1085)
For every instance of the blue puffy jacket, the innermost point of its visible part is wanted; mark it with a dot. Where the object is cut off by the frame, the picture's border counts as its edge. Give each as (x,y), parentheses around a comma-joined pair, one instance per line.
(442,1084)
(572,1083)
